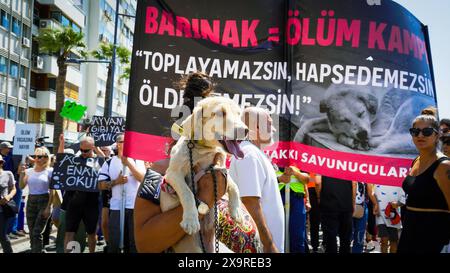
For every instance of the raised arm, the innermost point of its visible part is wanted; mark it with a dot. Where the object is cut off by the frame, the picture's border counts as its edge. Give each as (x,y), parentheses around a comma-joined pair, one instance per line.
(301,176)
(138,174)
(23,177)
(61,144)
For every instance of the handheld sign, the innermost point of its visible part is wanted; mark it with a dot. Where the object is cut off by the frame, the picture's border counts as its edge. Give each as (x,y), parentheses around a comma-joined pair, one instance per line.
(73,111)
(104,130)
(75,173)
(24,139)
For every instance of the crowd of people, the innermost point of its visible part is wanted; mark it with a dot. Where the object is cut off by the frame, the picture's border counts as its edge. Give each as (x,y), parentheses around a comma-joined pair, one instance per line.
(352,216)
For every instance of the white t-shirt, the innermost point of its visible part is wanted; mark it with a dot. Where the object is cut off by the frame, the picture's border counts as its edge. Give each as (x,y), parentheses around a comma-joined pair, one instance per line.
(38,182)
(385,195)
(111,172)
(255,176)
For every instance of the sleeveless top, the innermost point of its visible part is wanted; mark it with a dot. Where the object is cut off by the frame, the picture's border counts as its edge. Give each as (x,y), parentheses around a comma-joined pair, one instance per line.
(423,190)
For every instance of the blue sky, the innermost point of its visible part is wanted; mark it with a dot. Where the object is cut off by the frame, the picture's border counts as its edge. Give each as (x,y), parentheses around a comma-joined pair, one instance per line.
(436,15)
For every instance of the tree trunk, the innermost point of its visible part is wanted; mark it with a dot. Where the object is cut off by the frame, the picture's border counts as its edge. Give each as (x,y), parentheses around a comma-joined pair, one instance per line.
(60,98)
(108,94)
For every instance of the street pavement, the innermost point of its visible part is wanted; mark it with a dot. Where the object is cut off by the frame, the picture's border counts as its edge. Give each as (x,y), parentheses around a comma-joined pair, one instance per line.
(22,245)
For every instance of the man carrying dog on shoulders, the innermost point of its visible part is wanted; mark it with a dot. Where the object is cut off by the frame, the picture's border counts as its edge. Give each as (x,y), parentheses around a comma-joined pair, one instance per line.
(257,180)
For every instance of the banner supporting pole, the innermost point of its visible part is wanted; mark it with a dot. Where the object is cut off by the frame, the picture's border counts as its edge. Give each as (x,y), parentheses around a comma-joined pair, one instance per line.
(122,213)
(287,209)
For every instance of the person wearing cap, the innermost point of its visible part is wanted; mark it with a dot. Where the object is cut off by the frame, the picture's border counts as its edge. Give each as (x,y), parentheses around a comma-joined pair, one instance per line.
(5,151)
(296,180)
(388,218)
(7,191)
(11,164)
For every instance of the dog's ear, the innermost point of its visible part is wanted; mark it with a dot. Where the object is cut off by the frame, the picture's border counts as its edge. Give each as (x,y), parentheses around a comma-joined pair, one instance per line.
(192,126)
(323,106)
(370,101)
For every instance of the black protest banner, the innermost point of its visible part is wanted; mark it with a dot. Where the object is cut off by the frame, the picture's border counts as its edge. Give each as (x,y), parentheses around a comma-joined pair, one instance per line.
(343,78)
(75,173)
(104,130)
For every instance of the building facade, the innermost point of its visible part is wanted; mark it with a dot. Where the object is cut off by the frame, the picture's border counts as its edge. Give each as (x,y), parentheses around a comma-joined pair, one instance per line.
(28,76)
(53,14)
(100,28)
(15,63)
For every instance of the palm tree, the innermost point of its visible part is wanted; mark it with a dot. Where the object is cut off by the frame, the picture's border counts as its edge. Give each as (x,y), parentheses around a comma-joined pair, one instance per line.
(60,42)
(126,73)
(105,52)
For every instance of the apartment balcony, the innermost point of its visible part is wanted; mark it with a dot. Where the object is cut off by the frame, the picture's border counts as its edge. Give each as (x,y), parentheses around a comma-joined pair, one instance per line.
(68,8)
(46,100)
(51,67)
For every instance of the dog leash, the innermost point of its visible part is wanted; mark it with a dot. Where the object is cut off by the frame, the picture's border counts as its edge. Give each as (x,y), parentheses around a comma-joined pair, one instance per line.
(191,146)
(216,210)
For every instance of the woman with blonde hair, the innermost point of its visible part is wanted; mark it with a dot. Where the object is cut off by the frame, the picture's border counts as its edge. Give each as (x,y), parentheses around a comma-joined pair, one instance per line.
(40,196)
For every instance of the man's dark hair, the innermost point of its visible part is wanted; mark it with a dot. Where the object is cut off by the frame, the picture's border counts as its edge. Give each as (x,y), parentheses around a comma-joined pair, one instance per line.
(445,121)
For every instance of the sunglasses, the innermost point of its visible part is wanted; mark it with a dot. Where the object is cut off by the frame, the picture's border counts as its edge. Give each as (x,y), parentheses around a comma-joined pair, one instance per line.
(426,132)
(445,130)
(39,156)
(85,151)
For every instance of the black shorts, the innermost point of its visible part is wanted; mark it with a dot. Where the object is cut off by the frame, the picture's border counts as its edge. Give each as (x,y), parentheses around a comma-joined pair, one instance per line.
(106,198)
(389,232)
(83,206)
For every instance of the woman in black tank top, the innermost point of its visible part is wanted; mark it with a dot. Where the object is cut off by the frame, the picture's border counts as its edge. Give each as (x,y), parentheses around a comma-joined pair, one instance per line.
(426,226)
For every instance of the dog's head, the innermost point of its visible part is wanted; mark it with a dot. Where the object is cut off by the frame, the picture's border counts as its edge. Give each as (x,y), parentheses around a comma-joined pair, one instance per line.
(350,113)
(216,122)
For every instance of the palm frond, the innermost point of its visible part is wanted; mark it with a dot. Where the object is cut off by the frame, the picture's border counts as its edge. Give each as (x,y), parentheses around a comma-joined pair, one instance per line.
(56,41)
(123,54)
(126,73)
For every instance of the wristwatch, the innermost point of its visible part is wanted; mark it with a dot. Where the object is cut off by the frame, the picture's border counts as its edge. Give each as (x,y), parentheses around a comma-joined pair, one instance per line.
(202,208)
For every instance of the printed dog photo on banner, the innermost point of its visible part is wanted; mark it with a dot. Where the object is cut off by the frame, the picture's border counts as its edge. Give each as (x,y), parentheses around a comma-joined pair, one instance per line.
(361,119)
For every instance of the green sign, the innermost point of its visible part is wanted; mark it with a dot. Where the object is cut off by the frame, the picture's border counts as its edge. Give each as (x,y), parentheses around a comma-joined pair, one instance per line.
(73,111)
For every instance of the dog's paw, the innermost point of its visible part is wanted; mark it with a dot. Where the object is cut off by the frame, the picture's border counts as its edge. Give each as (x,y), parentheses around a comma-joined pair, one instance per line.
(364,146)
(190,223)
